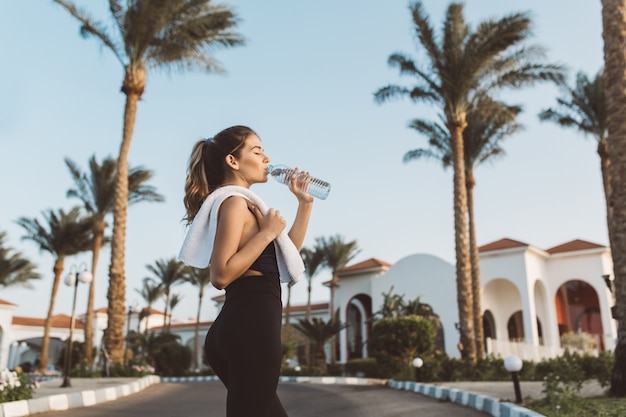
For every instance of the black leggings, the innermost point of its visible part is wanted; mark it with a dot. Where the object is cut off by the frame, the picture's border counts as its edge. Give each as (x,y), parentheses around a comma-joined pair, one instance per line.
(243,347)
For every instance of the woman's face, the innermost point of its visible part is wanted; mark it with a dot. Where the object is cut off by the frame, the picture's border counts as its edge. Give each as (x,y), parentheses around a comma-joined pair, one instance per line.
(252,161)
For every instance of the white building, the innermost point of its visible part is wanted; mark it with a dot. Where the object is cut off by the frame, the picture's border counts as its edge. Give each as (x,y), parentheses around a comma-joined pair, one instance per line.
(530,298)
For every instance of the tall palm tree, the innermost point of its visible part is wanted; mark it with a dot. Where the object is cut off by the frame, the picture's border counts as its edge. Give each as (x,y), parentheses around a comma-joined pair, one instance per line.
(313,261)
(462,66)
(96,190)
(14,268)
(337,254)
(583,108)
(200,278)
(150,291)
(175,299)
(63,234)
(489,122)
(318,332)
(613,22)
(168,272)
(171,35)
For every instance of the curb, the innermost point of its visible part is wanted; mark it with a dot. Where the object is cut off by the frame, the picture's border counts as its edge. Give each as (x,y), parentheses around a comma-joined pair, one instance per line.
(479,402)
(301,379)
(60,402)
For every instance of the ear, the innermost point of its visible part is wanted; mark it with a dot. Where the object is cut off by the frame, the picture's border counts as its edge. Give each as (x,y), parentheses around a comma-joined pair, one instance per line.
(231,161)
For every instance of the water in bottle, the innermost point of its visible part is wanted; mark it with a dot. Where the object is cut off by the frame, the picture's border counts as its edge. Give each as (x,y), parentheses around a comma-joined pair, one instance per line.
(315,187)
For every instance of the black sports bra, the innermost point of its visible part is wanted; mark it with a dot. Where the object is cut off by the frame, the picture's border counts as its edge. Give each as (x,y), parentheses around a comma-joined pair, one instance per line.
(266,262)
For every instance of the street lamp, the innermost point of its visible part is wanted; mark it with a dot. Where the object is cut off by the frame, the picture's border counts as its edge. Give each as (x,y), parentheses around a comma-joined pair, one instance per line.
(513,364)
(131,310)
(72,279)
(417,364)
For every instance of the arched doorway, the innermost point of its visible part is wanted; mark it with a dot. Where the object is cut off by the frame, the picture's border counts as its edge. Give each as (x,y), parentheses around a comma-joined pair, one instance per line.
(578,310)
(358,315)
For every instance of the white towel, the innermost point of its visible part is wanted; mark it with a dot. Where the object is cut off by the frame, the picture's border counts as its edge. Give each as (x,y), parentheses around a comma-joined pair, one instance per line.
(198,244)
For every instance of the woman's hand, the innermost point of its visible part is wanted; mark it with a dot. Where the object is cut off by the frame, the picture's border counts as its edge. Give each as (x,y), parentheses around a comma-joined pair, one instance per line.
(299,183)
(271,223)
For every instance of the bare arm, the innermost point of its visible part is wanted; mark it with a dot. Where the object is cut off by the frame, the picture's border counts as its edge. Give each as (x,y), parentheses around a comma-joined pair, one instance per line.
(300,225)
(240,240)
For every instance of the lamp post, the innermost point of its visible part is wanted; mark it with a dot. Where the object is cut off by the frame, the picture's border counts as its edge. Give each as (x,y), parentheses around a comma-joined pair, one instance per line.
(513,364)
(72,279)
(131,310)
(417,364)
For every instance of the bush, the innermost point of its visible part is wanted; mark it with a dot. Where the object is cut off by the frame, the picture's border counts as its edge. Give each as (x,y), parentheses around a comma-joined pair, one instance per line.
(365,368)
(395,341)
(15,386)
(172,359)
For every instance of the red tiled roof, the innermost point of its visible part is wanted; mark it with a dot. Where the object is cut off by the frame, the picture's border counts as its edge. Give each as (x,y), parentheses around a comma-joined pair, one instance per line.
(504,243)
(59,321)
(318,306)
(367,264)
(573,246)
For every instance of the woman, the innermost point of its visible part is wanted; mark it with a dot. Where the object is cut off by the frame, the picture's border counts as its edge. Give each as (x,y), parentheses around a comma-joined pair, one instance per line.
(248,251)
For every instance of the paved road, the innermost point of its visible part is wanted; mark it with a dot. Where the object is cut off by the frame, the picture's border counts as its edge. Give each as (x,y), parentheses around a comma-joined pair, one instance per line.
(201,399)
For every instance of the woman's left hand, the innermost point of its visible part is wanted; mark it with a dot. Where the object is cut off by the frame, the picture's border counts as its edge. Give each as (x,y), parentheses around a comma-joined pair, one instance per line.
(298,185)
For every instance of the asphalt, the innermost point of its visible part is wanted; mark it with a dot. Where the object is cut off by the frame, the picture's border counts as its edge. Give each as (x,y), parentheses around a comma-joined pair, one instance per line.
(90,391)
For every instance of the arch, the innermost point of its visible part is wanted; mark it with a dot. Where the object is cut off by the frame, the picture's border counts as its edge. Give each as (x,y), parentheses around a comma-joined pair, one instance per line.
(515,327)
(489,325)
(578,309)
(358,319)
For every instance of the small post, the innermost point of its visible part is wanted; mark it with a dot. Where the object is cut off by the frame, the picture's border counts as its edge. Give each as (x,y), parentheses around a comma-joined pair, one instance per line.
(417,364)
(513,364)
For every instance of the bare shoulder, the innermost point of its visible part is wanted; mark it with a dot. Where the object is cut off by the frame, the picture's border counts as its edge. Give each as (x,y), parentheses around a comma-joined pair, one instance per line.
(234,204)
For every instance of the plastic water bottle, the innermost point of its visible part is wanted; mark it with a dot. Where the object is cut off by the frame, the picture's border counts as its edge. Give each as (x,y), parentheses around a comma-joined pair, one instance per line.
(315,187)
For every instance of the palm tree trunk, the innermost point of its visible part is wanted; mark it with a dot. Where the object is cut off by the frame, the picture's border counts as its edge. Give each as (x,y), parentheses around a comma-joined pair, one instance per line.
(333,339)
(133,86)
(614,34)
(167,304)
(308,318)
(45,343)
(196,336)
(475,267)
(605,164)
(463,275)
(98,234)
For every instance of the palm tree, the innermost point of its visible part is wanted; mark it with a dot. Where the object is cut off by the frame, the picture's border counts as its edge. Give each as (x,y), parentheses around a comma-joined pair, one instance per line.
(150,291)
(170,35)
(175,299)
(200,278)
(313,260)
(488,123)
(463,66)
(168,273)
(613,20)
(14,268)
(317,331)
(63,234)
(583,108)
(337,254)
(96,190)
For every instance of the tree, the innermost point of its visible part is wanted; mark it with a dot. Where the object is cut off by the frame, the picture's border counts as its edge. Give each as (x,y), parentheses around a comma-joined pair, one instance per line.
(464,65)
(150,291)
(613,22)
(200,278)
(14,268)
(168,273)
(313,261)
(96,191)
(318,332)
(583,108)
(63,234)
(489,122)
(175,299)
(171,35)
(337,254)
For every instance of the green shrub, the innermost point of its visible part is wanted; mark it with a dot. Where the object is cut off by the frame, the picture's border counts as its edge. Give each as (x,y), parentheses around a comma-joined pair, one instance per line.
(395,341)
(172,359)
(15,386)
(366,368)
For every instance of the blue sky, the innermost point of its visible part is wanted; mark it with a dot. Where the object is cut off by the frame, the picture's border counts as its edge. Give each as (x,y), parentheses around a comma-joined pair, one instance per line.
(304,82)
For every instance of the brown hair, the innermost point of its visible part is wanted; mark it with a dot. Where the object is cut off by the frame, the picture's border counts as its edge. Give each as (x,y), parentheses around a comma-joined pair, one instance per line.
(207,166)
